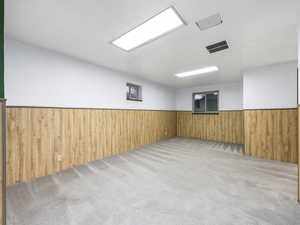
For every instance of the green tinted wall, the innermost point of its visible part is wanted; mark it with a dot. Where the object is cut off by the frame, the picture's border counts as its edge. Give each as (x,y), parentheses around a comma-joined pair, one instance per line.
(2,49)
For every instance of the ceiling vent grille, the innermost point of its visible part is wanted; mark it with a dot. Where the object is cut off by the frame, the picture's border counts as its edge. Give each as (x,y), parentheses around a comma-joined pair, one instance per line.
(209,22)
(217,47)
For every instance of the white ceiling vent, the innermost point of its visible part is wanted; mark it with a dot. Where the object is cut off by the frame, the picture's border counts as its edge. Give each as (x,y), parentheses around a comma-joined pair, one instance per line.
(209,22)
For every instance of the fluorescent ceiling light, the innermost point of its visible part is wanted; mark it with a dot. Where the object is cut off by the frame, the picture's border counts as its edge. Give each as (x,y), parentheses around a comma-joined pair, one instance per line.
(198,71)
(158,25)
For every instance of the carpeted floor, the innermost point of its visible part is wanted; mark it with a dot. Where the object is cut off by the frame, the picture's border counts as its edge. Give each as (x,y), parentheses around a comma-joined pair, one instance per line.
(178,181)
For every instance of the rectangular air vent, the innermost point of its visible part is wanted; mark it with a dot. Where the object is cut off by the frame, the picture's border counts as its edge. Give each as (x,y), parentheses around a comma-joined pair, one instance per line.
(209,22)
(217,47)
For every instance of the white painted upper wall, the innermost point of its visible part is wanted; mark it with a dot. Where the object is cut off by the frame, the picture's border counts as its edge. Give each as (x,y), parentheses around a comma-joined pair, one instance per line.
(230,96)
(271,87)
(40,77)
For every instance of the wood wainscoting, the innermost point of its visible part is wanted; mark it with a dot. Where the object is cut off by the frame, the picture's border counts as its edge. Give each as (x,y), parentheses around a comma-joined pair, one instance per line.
(298,154)
(226,126)
(42,141)
(272,134)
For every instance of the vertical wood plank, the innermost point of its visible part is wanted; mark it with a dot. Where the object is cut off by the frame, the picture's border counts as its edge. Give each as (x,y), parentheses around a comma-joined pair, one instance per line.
(42,141)
(298,154)
(272,134)
(227,126)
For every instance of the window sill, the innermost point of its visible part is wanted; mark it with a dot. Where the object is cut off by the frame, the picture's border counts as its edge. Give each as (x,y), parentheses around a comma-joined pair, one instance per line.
(209,113)
(137,100)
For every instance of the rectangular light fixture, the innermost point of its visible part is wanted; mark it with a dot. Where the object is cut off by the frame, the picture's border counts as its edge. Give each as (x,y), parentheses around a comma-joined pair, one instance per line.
(165,22)
(198,71)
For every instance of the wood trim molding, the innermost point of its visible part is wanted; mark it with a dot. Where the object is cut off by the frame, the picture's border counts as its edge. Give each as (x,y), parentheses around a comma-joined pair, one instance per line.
(232,110)
(168,110)
(269,109)
(82,108)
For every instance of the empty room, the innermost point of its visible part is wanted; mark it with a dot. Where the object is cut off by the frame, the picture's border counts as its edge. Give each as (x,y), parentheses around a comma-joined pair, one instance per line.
(149,112)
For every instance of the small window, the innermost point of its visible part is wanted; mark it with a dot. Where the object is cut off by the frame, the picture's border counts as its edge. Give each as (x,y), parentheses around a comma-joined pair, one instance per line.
(134,92)
(206,102)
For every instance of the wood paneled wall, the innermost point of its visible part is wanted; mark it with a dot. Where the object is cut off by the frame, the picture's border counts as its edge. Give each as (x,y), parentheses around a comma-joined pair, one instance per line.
(227,126)
(42,141)
(2,163)
(298,154)
(272,134)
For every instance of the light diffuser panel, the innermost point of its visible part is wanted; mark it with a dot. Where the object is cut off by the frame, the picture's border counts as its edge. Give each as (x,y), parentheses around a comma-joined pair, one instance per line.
(153,28)
(198,71)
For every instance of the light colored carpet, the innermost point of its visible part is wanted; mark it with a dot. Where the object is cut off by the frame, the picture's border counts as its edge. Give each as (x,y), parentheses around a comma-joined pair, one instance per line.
(178,181)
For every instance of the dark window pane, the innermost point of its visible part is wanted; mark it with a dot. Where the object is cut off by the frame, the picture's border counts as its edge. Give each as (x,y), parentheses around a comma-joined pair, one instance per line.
(199,103)
(212,102)
(134,92)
